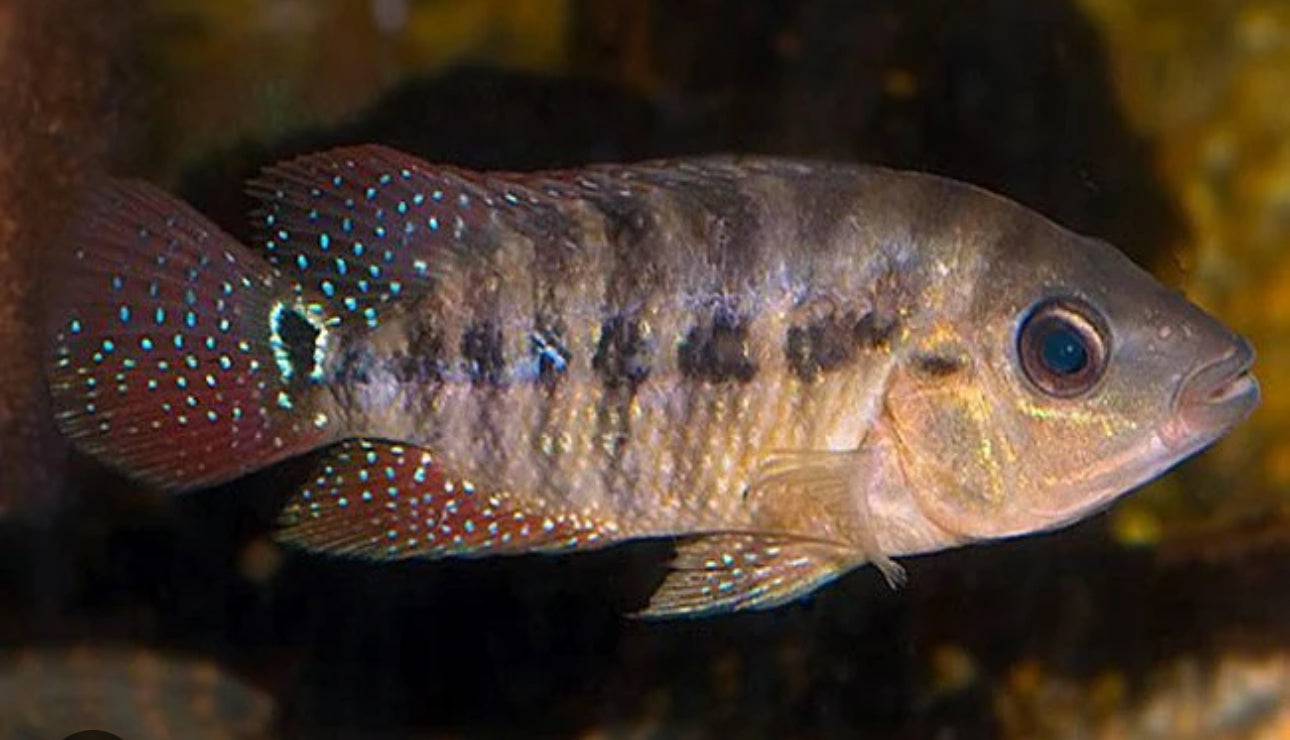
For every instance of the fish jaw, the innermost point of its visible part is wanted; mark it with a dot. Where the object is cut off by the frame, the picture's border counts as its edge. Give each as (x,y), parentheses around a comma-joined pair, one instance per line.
(1216,397)
(1212,399)
(989,452)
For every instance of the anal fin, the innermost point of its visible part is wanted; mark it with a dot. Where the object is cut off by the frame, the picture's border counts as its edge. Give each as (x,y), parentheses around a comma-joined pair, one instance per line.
(386,501)
(735,572)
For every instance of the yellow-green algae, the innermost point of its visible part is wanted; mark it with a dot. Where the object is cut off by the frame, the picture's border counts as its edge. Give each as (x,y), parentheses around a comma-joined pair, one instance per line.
(245,69)
(1208,84)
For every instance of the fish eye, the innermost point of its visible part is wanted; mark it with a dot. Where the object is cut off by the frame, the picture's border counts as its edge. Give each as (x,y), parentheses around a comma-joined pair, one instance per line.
(1062,347)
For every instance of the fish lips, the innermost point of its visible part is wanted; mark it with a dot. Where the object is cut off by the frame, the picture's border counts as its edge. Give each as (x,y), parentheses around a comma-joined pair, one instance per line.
(1215,397)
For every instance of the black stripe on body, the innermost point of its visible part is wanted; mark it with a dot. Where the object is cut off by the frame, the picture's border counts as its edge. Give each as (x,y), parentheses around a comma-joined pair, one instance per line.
(833,342)
(422,364)
(717,350)
(482,356)
(623,353)
(639,280)
(717,286)
(481,349)
(727,220)
(630,230)
(545,215)
(555,258)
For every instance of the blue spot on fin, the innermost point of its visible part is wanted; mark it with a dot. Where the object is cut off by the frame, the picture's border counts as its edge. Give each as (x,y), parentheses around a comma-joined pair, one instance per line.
(366,226)
(384,500)
(726,572)
(162,360)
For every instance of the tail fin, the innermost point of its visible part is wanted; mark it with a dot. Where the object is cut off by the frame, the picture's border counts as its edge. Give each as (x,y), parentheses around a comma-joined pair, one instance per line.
(179,356)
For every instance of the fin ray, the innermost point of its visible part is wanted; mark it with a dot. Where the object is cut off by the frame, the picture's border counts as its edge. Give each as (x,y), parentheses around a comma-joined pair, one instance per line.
(738,572)
(384,500)
(163,361)
(366,225)
(825,493)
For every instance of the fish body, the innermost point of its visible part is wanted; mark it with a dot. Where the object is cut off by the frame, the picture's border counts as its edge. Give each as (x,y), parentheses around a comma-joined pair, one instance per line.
(793,367)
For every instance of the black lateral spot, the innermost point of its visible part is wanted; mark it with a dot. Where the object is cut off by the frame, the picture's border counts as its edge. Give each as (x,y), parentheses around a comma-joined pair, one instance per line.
(622,354)
(824,345)
(937,366)
(551,354)
(873,331)
(833,342)
(481,347)
(424,360)
(717,351)
(297,337)
(356,367)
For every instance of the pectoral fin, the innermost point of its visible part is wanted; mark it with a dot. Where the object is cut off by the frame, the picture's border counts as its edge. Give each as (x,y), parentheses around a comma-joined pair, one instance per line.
(734,572)
(825,495)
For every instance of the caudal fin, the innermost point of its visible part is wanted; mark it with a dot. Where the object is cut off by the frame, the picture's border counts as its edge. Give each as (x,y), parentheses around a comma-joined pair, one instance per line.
(178,355)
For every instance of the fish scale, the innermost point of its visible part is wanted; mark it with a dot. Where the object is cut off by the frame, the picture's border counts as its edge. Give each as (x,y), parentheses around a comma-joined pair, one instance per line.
(792,367)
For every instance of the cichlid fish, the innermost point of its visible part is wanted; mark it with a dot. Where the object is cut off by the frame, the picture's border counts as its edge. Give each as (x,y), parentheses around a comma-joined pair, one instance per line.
(794,368)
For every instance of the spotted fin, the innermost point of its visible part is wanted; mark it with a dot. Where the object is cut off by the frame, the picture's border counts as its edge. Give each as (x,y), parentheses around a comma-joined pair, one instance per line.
(178,355)
(736,572)
(366,225)
(386,501)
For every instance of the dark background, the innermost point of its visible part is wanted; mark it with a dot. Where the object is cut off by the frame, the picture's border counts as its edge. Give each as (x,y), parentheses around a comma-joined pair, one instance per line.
(1010,94)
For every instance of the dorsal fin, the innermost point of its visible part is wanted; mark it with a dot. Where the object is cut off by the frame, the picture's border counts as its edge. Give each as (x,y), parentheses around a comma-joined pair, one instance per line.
(366,225)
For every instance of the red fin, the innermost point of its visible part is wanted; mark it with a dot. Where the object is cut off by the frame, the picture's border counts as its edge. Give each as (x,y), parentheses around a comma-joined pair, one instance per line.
(735,572)
(166,359)
(383,500)
(366,225)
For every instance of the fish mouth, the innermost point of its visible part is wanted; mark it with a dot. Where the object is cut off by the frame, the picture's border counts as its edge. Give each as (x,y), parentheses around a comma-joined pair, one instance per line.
(1216,397)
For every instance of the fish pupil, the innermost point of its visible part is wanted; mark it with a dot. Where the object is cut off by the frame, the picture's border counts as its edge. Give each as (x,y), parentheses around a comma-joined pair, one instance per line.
(1063,351)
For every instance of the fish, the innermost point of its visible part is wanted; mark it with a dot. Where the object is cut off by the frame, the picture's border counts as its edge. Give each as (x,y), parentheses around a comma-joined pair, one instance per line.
(788,368)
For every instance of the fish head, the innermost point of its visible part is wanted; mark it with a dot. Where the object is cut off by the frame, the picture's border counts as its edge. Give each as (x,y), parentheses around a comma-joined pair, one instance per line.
(1056,377)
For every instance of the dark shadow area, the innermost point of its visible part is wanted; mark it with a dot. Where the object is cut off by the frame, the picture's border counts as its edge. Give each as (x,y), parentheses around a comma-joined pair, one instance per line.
(1009,94)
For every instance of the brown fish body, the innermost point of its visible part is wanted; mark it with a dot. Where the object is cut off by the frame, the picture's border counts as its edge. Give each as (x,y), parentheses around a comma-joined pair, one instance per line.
(796,367)
(639,363)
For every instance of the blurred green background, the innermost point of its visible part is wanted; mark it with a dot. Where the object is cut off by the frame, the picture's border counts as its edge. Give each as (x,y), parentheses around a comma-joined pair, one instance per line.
(1162,126)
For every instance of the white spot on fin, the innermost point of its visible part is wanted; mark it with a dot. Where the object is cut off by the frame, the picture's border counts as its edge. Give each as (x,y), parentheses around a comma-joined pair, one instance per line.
(734,572)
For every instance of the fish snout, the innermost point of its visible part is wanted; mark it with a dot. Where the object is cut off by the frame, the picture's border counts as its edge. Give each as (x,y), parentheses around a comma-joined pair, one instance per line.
(1216,395)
